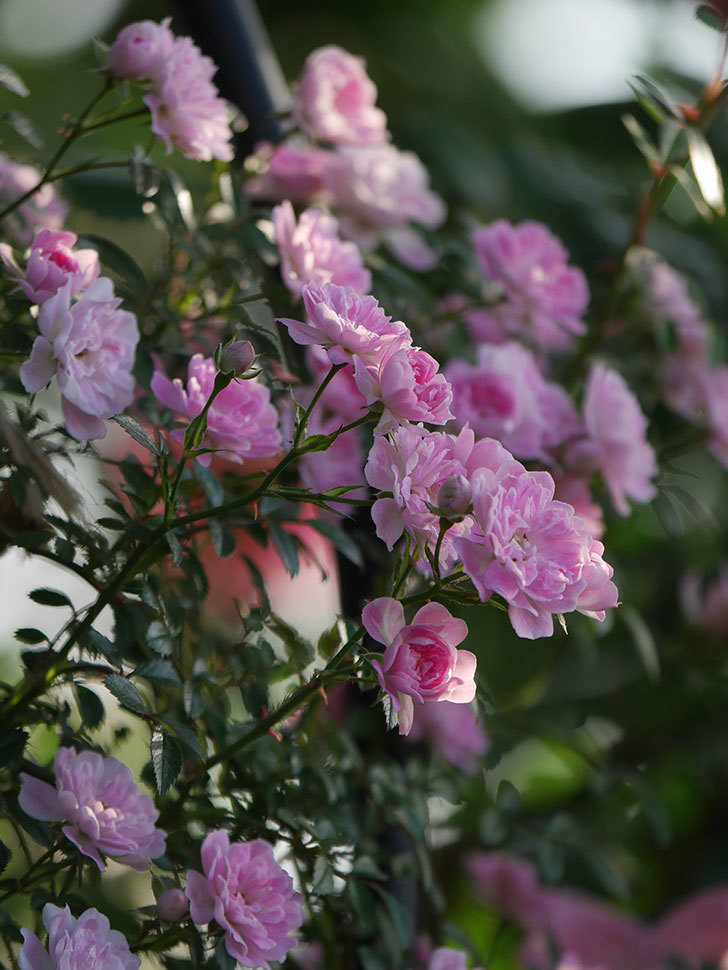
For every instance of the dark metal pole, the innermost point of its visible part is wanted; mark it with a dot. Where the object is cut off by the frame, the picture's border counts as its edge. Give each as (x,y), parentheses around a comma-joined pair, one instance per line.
(249,75)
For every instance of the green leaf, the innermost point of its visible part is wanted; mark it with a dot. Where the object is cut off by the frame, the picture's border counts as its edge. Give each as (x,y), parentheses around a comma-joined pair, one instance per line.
(323,877)
(329,642)
(710,17)
(339,540)
(159,638)
(102,645)
(12,745)
(508,798)
(641,139)
(50,597)
(117,259)
(707,173)
(160,672)
(23,127)
(175,547)
(643,640)
(28,634)
(186,735)
(299,649)
(136,431)
(12,81)
(90,706)
(222,539)
(5,857)
(166,759)
(126,693)
(285,546)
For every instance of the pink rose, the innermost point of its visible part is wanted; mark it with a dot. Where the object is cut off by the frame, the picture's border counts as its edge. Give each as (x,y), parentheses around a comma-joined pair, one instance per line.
(86,943)
(241,422)
(421,661)
(335,100)
(249,896)
(102,807)
(141,51)
(293,170)
(44,209)
(53,263)
(89,346)
(454,731)
(312,252)
(509,885)
(544,297)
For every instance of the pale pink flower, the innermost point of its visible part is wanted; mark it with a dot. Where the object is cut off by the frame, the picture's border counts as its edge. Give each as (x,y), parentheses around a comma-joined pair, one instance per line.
(717,413)
(686,384)
(445,958)
(575,491)
(141,51)
(340,398)
(421,661)
(86,943)
(336,99)
(53,263)
(293,170)
(102,807)
(378,191)
(708,608)
(454,731)
(405,380)
(248,895)
(43,210)
(617,443)
(89,347)
(508,884)
(236,358)
(412,465)
(172,905)
(533,551)
(544,297)
(312,252)
(695,930)
(505,396)
(344,322)
(241,423)
(669,300)
(187,112)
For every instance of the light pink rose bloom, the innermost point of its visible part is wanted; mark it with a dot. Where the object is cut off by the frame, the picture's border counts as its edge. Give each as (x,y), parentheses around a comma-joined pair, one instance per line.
(454,731)
(43,210)
(53,263)
(717,413)
(344,322)
(102,807)
(89,347)
(686,384)
(378,191)
(249,895)
(617,444)
(405,380)
(241,423)
(412,465)
(141,51)
(312,252)
(575,492)
(505,396)
(187,112)
(340,398)
(533,551)
(172,905)
(335,100)
(544,297)
(86,943)
(695,930)
(445,958)
(507,884)
(668,299)
(421,661)
(293,170)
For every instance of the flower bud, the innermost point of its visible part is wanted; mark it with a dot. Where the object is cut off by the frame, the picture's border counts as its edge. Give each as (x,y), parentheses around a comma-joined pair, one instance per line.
(172,905)
(454,496)
(236,357)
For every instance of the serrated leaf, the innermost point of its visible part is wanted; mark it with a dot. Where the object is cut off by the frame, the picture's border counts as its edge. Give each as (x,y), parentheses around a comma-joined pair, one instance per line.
(323,877)
(13,82)
(50,597)
(117,259)
(342,542)
(90,706)
(126,693)
(101,644)
(136,431)
(158,672)
(175,547)
(31,636)
(185,734)
(159,638)
(166,759)
(707,173)
(285,546)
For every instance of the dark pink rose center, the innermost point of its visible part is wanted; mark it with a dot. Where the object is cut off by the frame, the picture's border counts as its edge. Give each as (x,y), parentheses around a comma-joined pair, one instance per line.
(64,261)
(430,661)
(491,398)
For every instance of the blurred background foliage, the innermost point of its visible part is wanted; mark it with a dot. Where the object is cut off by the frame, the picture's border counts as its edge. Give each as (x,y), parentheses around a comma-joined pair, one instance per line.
(618,743)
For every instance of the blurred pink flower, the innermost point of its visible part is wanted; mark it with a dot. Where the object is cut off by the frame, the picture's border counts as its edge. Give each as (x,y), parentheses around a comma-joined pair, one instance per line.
(241,423)
(43,210)
(508,884)
(335,100)
(102,807)
(575,492)
(86,943)
(544,298)
(344,322)
(293,170)
(707,608)
(505,396)
(617,443)
(172,905)
(445,958)
(532,550)
(312,252)
(249,895)
(141,51)
(421,660)
(89,346)
(669,299)
(53,263)
(406,381)
(717,413)
(454,731)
